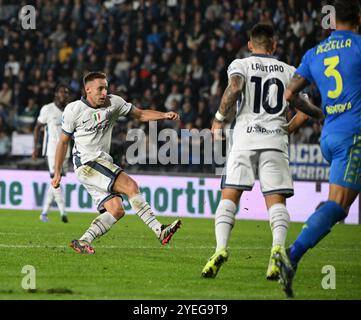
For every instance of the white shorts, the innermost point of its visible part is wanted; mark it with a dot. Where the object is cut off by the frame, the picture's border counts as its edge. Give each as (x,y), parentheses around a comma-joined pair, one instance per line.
(51,166)
(98,178)
(271,166)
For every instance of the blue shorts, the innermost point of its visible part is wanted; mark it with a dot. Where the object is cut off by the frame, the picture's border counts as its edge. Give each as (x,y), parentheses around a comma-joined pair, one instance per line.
(343,152)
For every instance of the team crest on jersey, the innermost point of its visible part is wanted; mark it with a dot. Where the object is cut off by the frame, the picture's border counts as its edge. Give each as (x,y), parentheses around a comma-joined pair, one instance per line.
(97,117)
(101,116)
(101,121)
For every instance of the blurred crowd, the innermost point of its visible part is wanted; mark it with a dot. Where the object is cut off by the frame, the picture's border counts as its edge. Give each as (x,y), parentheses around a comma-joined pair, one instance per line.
(164,55)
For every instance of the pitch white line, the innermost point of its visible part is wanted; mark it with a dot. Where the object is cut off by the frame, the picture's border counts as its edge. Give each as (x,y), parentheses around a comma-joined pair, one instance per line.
(34,246)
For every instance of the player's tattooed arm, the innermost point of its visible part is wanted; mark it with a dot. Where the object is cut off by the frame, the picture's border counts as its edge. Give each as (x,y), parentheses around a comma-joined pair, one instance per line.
(229,98)
(231,94)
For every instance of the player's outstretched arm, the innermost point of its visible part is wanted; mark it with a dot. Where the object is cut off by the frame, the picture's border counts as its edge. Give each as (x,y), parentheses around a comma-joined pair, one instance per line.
(152,115)
(37,128)
(297,84)
(61,150)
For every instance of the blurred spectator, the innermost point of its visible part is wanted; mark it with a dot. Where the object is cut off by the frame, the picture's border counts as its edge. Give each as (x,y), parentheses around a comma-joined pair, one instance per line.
(65,52)
(177,69)
(295,25)
(173,95)
(28,117)
(6,94)
(195,69)
(58,36)
(155,37)
(12,67)
(204,115)
(187,114)
(5,142)
(75,84)
(214,10)
(195,39)
(122,67)
(169,55)
(134,85)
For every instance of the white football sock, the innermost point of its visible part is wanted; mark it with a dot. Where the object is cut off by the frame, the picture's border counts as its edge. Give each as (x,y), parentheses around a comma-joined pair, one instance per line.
(279,221)
(99,226)
(143,210)
(48,200)
(224,222)
(59,199)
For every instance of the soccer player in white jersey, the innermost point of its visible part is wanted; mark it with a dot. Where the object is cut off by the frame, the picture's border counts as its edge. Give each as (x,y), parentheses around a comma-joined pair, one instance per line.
(259,144)
(50,118)
(90,121)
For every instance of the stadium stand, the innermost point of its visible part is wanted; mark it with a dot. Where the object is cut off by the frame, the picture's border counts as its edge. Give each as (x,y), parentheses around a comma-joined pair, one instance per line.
(169,55)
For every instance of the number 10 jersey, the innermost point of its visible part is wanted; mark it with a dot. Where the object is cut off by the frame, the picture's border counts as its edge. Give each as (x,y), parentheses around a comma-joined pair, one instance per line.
(261,117)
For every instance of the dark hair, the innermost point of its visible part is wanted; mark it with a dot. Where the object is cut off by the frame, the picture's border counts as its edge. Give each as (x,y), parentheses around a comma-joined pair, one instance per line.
(92,76)
(262,35)
(348,11)
(61,86)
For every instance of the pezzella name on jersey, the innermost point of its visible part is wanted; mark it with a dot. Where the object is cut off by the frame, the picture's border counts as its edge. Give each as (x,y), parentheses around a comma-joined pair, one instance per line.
(270,68)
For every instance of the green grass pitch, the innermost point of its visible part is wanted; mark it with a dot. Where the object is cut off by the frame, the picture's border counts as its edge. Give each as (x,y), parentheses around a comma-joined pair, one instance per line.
(130,263)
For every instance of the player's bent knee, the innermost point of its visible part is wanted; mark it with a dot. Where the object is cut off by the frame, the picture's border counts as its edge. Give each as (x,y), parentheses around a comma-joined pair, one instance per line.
(274,199)
(342,196)
(115,207)
(134,189)
(118,212)
(231,194)
(126,185)
(131,188)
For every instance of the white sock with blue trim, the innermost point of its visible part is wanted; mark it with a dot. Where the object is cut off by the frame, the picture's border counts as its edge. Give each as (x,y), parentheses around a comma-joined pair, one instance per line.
(48,200)
(99,226)
(224,222)
(144,211)
(59,199)
(279,221)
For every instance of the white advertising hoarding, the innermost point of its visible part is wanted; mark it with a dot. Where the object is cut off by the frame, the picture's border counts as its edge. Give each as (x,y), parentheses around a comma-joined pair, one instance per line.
(168,195)
(22,144)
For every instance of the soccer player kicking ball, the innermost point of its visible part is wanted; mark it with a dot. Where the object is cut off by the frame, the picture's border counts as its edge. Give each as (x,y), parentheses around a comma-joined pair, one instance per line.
(90,121)
(259,143)
(335,67)
(50,117)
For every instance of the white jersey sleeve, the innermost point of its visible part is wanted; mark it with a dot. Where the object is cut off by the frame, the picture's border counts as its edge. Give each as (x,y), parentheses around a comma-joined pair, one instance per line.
(51,117)
(43,116)
(237,68)
(121,105)
(68,121)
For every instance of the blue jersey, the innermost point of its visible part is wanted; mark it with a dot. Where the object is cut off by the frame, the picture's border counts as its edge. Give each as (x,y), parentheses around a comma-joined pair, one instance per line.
(335,67)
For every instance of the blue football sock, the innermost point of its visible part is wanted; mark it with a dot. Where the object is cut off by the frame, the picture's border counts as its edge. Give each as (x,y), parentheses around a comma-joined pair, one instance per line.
(317,226)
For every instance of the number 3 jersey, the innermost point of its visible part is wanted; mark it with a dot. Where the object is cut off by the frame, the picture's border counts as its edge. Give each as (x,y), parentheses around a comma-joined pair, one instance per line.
(261,121)
(334,66)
